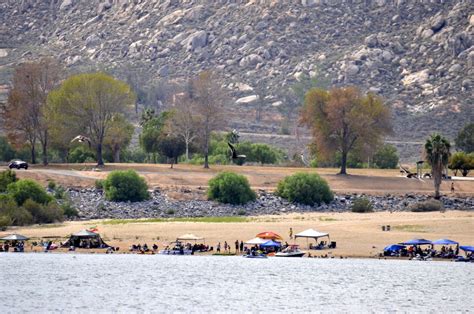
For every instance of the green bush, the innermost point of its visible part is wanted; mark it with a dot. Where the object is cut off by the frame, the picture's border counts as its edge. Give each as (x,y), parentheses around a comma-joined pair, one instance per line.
(6,177)
(43,213)
(123,186)
(265,154)
(28,189)
(6,150)
(231,188)
(305,188)
(69,210)
(362,205)
(81,154)
(5,221)
(99,184)
(59,192)
(430,205)
(51,185)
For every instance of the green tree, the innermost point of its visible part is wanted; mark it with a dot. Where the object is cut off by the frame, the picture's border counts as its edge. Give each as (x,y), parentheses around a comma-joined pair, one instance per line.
(264,154)
(460,161)
(465,139)
(437,154)
(152,129)
(91,101)
(172,147)
(6,177)
(6,151)
(119,136)
(386,157)
(342,119)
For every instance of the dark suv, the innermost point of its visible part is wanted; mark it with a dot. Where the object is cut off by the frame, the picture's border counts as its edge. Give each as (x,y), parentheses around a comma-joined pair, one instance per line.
(18,164)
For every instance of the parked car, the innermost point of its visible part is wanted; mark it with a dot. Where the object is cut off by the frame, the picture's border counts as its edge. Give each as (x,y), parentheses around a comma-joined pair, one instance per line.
(18,164)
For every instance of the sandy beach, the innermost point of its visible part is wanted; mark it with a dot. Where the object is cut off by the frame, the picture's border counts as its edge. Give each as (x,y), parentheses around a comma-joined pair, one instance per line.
(356,235)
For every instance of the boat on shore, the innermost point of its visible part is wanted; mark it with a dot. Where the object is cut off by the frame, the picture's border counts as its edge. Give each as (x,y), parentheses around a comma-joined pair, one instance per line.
(291,251)
(175,252)
(255,256)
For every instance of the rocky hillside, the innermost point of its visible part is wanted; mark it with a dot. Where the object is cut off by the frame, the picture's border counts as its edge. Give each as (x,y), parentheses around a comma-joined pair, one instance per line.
(419,55)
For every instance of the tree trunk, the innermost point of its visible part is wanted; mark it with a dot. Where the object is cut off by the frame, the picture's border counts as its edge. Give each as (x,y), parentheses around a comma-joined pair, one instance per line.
(45,148)
(33,154)
(100,161)
(437,177)
(187,151)
(117,155)
(206,152)
(343,163)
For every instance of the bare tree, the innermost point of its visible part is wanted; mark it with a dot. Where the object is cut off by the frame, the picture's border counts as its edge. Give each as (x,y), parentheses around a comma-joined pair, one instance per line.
(210,99)
(184,122)
(25,109)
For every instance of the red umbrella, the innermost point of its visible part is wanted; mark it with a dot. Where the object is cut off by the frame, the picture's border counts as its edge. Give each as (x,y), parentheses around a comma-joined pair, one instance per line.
(269,235)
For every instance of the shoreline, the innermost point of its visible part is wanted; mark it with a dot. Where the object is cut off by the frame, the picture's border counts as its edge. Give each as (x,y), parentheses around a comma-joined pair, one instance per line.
(356,235)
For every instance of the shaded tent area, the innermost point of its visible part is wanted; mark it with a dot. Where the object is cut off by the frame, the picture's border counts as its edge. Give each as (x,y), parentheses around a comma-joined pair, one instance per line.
(85,239)
(14,241)
(313,234)
(394,250)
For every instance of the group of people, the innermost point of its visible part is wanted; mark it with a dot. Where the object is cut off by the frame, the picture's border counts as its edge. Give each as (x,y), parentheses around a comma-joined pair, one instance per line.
(238,245)
(142,249)
(16,246)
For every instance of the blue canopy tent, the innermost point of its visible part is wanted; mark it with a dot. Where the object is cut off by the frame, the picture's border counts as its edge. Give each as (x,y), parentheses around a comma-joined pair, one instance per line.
(271,243)
(445,242)
(394,248)
(417,242)
(467,248)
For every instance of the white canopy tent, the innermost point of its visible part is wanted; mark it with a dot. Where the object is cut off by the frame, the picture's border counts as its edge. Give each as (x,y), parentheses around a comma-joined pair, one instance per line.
(313,234)
(256,241)
(189,237)
(14,237)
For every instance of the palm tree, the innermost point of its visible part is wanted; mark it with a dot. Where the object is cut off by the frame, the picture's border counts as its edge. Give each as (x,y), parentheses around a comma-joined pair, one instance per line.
(437,155)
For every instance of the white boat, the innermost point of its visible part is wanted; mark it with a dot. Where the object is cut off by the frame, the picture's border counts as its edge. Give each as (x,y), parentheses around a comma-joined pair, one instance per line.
(291,251)
(175,251)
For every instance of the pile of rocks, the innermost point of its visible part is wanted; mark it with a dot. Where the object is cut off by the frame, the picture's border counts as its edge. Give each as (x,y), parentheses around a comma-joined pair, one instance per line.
(417,54)
(91,204)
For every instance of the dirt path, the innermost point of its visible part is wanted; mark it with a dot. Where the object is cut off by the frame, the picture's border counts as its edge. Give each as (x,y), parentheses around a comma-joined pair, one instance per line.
(369,181)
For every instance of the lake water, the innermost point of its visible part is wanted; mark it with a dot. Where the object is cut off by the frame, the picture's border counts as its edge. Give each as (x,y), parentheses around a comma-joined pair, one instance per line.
(41,283)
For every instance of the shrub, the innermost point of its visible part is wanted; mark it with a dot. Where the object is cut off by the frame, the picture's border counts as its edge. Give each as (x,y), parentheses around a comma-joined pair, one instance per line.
(231,188)
(362,205)
(6,177)
(427,206)
(122,186)
(51,185)
(69,210)
(170,212)
(28,189)
(43,213)
(81,154)
(99,184)
(264,154)
(305,188)
(5,221)
(59,192)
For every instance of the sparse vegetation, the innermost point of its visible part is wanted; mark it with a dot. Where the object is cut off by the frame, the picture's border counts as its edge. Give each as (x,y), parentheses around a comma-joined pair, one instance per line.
(6,177)
(232,188)
(362,205)
(305,188)
(225,219)
(427,206)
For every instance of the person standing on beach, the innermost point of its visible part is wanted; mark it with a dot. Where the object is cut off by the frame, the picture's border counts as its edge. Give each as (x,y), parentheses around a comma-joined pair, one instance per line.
(291,233)
(236,246)
(241,246)
(452,187)
(218,249)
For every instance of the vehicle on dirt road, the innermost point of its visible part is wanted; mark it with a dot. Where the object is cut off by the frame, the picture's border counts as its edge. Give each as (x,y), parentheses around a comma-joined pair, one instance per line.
(18,164)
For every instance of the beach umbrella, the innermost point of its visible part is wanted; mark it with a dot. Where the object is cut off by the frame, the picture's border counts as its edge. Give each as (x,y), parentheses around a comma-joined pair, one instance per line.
(393,248)
(416,242)
(269,235)
(445,242)
(467,248)
(14,237)
(271,243)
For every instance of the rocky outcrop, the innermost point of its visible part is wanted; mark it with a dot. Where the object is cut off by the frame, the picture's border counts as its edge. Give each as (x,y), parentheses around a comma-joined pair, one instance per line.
(92,205)
(417,54)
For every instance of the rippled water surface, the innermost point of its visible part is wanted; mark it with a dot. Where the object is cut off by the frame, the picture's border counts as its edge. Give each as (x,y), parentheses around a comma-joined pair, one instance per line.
(136,283)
